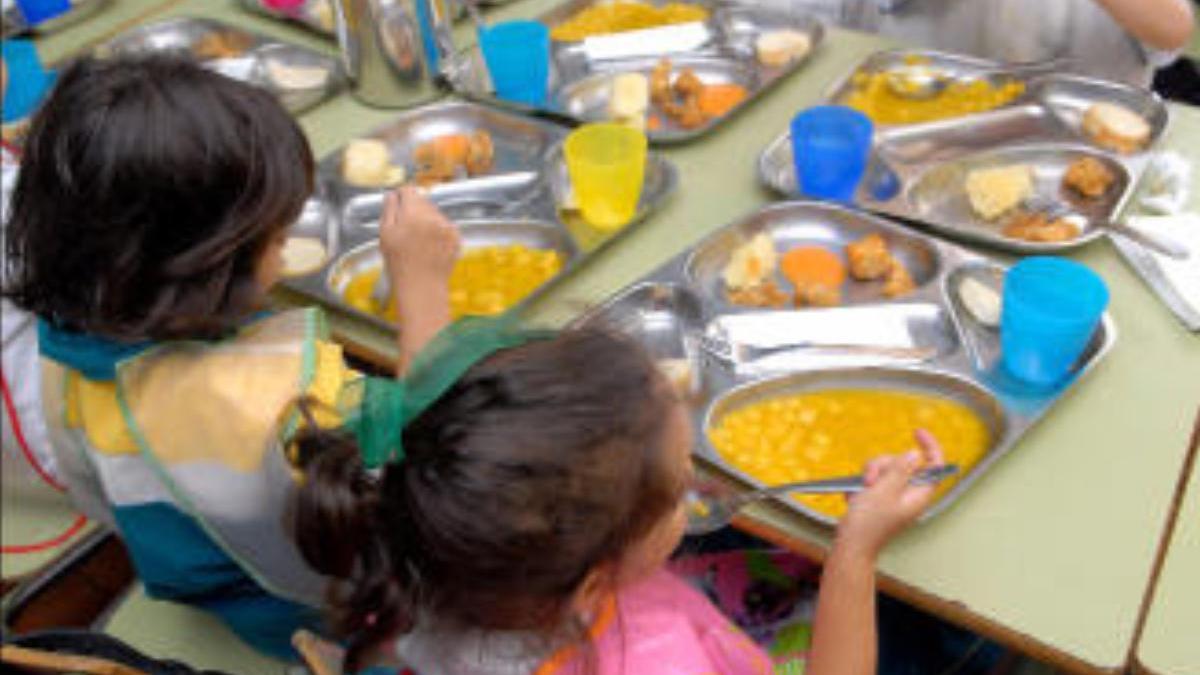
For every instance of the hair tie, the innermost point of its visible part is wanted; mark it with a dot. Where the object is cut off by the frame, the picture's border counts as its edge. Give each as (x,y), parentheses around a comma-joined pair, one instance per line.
(388,405)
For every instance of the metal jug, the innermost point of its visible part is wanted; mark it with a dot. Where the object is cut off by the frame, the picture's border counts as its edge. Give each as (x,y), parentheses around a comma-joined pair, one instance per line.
(394,51)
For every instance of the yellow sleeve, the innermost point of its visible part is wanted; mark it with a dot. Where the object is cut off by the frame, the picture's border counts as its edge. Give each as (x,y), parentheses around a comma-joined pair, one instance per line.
(333,394)
(333,388)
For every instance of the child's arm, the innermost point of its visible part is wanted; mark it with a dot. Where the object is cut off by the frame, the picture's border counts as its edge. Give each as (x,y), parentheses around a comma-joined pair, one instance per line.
(844,635)
(420,246)
(1162,24)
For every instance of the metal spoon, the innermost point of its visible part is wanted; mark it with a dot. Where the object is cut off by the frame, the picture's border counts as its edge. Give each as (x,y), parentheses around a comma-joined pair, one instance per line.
(707,513)
(1054,209)
(920,81)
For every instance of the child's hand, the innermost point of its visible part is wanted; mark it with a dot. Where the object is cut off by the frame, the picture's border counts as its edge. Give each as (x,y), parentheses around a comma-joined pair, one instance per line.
(890,503)
(419,244)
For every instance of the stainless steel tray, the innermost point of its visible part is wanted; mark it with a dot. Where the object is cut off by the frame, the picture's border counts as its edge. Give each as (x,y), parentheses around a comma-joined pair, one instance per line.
(319,15)
(916,170)
(14,22)
(262,62)
(521,200)
(580,83)
(672,307)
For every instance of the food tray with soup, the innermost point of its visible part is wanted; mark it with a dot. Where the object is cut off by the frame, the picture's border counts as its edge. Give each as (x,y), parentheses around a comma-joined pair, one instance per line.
(499,175)
(973,161)
(793,385)
(300,77)
(676,69)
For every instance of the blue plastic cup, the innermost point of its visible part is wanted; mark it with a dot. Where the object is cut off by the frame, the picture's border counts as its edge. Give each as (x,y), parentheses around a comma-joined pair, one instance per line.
(1051,309)
(830,148)
(37,11)
(518,59)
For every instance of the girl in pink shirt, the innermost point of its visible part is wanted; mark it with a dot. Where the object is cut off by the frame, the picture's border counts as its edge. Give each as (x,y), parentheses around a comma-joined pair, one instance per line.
(523,513)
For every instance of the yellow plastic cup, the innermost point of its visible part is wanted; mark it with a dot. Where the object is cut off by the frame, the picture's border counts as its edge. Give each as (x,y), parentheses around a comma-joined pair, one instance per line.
(607,164)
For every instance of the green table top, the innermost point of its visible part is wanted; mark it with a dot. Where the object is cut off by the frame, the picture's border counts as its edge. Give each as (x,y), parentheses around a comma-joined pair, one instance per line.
(192,636)
(1168,644)
(1045,551)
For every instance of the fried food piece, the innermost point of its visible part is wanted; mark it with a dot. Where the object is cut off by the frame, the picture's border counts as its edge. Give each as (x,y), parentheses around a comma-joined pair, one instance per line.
(480,153)
(660,83)
(1089,177)
(1035,227)
(687,84)
(766,294)
(818,295)
(869,258)
(688,114)
(898,281)
(222,45)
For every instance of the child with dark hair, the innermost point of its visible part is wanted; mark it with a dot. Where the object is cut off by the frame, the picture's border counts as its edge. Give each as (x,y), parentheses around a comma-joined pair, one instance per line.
(147,224)
(518,517)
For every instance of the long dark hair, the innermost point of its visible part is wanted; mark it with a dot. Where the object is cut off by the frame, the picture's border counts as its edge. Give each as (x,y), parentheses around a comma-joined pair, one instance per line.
(541,463)
(149,190)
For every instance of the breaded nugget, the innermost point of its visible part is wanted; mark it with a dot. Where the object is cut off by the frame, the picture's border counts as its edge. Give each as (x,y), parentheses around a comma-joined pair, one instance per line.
(1028,226)
(688,85)
(869,258)
(1089,177)
(480,153)
(818,295)
(898,281)
(766,294)
(660,83)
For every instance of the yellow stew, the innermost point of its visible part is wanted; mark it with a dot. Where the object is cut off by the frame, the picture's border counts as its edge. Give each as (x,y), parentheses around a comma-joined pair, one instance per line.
(833,433)
(487,280)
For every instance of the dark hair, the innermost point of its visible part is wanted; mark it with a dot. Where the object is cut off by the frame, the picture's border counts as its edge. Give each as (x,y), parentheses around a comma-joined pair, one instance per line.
(540,463)
(148,191)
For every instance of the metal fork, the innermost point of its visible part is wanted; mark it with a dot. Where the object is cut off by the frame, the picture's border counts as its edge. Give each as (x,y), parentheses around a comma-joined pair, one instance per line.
(1053,209)
(731,354)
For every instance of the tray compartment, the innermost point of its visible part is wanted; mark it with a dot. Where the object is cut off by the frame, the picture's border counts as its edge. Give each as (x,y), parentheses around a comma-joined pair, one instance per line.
(475,233)
(811,224)
(939,194)
(580,80)
(250,58)
(927,382)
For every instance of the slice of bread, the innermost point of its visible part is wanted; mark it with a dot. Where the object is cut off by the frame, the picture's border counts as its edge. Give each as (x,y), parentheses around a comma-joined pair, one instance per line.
(1116,127)
(779,48)
(302,255)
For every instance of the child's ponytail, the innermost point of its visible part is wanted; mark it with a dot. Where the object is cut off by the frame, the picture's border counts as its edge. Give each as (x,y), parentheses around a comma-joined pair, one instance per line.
(336,525)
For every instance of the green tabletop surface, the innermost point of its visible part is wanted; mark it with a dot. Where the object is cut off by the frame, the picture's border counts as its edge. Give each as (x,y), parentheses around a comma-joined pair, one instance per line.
(1170,642)
(1055,547)
(167,630)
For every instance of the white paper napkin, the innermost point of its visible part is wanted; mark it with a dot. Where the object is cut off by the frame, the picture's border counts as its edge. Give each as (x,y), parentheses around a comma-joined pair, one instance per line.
(681,37)
(1184,275)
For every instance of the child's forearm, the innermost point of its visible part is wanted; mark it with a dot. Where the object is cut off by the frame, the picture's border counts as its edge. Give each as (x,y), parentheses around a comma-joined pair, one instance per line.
(423,313)
(1163,24)
(844,634)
